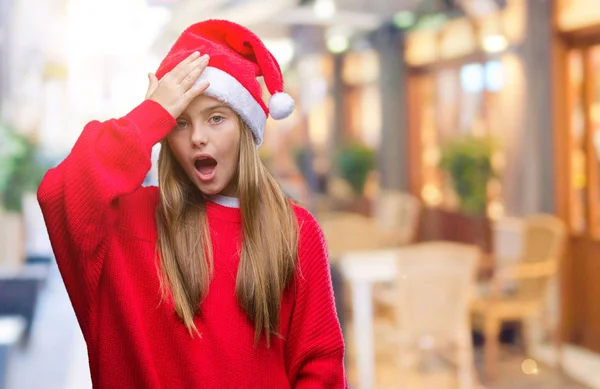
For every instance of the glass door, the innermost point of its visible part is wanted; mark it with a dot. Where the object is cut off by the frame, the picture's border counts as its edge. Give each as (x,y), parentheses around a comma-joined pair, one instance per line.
(584,140)
(593,137)
(577,146)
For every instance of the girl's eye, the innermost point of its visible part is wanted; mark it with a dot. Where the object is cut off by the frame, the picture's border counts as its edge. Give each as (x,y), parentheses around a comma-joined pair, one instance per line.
(217,119)
(181,124)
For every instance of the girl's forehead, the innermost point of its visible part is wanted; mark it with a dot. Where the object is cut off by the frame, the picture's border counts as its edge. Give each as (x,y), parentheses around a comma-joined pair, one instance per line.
(203,104)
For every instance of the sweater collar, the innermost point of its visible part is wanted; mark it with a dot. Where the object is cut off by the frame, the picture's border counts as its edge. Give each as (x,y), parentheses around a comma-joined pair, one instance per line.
(224,208)
(229,202)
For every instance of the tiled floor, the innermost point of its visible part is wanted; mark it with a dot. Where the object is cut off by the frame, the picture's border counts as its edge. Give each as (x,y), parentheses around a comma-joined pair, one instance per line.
(56,357)
(510,377)
(440,375)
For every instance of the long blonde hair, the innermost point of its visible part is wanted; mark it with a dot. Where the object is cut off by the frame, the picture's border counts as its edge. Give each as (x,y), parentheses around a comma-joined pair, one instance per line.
(269,247)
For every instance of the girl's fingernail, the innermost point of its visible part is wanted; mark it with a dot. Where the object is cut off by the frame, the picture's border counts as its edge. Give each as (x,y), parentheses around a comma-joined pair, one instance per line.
(204,59)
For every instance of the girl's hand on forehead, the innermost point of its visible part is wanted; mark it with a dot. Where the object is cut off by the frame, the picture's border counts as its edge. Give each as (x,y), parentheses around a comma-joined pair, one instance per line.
(177,88)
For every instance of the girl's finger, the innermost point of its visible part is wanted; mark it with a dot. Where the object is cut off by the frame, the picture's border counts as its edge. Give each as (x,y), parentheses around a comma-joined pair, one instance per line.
(181,67)
(201,62)
(154,80)
(192,77)
(195,91)
(152,84)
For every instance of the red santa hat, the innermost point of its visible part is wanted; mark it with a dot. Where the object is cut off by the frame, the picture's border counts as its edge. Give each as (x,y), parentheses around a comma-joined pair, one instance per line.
(237,58)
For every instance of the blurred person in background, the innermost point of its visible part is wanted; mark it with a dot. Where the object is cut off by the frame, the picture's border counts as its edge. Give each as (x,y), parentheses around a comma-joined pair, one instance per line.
(214,278)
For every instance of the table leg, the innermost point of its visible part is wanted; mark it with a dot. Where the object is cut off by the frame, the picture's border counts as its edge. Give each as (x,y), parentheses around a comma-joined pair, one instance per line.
(491,347)
(363,334)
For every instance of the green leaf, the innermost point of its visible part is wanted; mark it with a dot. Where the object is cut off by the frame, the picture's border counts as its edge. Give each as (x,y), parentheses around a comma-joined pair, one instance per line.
(21,167)
(467,162)
(355,161)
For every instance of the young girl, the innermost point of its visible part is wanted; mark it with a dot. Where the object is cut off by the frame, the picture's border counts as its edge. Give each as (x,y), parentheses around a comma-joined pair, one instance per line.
(214,279)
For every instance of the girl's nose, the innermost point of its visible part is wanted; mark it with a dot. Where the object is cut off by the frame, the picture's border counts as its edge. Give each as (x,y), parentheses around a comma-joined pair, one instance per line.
(199,137)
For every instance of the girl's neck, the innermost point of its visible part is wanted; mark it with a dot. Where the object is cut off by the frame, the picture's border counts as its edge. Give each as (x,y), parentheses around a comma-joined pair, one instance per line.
(226,201)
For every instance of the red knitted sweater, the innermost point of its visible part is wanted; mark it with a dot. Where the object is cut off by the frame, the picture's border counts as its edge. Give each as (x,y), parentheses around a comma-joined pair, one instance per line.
(101,225)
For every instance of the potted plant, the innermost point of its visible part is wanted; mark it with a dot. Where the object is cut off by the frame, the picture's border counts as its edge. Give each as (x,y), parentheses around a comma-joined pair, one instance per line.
(21,170)
(354,163)
(468,163)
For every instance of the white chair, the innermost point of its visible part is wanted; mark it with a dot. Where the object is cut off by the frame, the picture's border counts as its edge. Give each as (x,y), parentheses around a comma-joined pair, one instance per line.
(347,232)
(397,213)
(434,287)
(519,290)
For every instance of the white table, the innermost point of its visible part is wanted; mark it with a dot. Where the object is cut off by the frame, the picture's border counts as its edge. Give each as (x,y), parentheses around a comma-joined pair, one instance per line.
(362,270)
(11,330)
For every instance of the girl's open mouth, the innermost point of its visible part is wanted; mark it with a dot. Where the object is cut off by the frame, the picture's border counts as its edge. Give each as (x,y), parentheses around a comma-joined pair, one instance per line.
(205,168)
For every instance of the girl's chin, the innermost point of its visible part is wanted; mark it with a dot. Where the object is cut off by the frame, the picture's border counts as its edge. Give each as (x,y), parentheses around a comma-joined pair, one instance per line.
(209,190)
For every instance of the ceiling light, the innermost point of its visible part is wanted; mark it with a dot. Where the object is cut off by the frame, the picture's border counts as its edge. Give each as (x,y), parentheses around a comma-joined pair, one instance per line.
(282,50)
(495,43)
(324,9)
(338,43)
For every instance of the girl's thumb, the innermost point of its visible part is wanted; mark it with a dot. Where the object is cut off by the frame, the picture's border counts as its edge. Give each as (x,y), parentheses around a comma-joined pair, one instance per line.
(152,84)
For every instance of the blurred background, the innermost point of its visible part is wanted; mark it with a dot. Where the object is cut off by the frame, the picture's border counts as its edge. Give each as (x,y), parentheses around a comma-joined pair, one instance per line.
(450,150)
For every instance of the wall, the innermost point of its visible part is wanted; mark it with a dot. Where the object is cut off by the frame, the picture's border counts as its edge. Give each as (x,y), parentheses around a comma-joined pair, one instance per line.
(577,14)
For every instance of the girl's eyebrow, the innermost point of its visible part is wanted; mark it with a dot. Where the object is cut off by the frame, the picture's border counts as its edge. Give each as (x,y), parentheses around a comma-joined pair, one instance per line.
(214,107)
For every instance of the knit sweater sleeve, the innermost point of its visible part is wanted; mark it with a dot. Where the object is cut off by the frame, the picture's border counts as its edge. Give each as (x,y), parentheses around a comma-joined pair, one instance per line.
(315,348)
(79,198)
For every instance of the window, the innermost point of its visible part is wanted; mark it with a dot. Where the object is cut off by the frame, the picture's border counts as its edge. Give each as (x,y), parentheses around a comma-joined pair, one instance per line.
(578,156)
(455,101)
